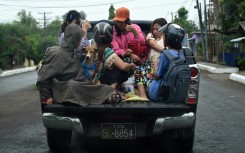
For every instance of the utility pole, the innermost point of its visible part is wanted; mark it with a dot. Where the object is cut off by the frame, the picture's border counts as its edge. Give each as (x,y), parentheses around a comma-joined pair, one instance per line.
(206,31)
(201,28)
(44,18)
(172,16)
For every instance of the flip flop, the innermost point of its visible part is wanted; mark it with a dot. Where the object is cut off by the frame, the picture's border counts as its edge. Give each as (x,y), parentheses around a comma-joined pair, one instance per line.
(136,99)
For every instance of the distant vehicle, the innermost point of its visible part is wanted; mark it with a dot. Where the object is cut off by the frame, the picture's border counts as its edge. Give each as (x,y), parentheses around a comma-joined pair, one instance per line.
(126,120)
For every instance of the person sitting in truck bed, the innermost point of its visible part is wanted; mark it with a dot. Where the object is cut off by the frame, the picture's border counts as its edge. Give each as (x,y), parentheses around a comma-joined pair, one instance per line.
(114,68)
(143,73)
(174,35)
(60,77)
(75,17)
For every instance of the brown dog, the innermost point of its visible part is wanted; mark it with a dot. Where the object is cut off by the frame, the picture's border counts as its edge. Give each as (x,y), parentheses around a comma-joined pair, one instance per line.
(89,63)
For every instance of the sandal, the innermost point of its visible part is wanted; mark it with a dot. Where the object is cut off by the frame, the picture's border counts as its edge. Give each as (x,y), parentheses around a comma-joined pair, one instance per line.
(114,99)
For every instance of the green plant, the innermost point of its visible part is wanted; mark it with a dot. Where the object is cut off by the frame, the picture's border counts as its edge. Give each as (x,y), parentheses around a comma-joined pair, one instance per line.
(241,63)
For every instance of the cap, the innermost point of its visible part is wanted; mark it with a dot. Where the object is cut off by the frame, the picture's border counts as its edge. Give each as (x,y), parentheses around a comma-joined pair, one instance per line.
(122,14)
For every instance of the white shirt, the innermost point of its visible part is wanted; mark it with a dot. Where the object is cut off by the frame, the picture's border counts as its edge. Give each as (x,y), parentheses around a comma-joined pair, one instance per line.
(154,54)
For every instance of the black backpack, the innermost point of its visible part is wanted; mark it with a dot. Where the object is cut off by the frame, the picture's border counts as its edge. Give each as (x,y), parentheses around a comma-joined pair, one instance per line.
(177,80)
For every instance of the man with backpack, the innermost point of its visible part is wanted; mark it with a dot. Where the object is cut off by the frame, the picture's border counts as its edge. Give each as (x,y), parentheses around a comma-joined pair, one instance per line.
(171,74)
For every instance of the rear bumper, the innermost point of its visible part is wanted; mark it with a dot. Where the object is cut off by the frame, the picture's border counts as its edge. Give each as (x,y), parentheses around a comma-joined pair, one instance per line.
(72,123)
(167,123)
(51,120)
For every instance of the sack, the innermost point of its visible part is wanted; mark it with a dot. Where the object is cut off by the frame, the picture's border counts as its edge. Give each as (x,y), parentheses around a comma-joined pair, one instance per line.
(177,80)
(140,49)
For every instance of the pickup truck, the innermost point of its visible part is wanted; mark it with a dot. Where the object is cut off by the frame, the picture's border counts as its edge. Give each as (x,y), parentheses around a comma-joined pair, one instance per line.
(126,120)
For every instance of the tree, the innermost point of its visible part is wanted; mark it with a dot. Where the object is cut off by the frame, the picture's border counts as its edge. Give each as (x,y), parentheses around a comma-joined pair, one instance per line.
(54,27)
(111,12)
(183,13)
(233,11)
(181,20)
(27,19)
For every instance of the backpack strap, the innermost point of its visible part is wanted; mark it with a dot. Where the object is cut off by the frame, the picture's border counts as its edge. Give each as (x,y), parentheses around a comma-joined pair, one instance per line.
(189,56)
(170,56)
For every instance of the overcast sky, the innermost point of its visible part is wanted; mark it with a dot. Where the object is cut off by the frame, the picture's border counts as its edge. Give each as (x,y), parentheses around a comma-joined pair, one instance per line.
(96,9)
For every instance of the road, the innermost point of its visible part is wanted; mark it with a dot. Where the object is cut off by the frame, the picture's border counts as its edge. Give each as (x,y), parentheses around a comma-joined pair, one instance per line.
(219,128)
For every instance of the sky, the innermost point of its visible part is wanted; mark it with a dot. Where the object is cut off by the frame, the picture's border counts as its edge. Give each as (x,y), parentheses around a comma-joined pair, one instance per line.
(96,9)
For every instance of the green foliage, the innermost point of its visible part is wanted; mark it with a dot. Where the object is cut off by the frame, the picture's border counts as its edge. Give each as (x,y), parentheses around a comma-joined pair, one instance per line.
(241,63)
(188,25)
(199,47)
(233,10)
(24,39)
(183,13)
(54,27)
(111,12)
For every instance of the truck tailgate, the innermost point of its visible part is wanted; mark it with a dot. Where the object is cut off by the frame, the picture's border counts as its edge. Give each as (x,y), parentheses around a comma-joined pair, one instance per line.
(124,107)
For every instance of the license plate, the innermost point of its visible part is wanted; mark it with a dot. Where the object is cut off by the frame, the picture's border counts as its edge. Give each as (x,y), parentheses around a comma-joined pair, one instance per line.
(118,130)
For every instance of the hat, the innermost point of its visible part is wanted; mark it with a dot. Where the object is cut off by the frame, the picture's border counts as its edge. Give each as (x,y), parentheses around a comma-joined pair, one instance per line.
(122,14)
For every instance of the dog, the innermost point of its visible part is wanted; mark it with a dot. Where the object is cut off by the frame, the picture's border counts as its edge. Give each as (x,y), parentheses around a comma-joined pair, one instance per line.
(89,63)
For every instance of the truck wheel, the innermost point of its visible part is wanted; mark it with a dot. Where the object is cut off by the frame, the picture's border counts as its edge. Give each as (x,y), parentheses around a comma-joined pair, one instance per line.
(58,139)
(186,139)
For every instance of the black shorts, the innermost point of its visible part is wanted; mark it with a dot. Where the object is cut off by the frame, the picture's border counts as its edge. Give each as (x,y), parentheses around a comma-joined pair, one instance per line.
(114,76)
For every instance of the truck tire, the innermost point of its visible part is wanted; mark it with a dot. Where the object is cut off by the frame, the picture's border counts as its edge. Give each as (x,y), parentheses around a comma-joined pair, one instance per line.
(58,139)
(186,139)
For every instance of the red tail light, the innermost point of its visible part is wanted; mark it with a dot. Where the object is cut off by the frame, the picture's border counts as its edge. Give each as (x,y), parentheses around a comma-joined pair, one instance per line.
(192,100)
(194,71)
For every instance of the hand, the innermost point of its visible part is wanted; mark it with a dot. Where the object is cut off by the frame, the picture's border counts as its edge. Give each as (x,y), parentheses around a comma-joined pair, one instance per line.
(49,101)
(132,66)
(135,58)
(155,66)
(129,28)
(128,52)
(86,25)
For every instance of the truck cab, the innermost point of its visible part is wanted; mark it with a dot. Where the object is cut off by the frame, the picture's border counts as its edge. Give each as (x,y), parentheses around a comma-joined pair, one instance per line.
(126,120)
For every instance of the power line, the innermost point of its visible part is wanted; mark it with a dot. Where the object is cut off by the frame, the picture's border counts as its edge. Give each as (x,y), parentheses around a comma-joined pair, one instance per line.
(88,5)
(44,18)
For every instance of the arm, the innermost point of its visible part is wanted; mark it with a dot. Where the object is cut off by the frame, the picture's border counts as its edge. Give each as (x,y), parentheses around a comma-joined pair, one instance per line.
(160,68)
(123,66)
(138,34)
(116,61)
(153,44)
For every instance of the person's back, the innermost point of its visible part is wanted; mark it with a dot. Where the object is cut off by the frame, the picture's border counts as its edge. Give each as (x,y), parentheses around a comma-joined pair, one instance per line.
(162,68)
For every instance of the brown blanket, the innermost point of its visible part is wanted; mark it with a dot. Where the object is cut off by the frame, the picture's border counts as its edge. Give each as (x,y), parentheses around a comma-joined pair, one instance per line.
(60,75)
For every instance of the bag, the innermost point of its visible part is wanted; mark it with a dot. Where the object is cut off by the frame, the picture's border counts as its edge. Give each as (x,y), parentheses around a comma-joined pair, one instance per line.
(140,49)
(177,80)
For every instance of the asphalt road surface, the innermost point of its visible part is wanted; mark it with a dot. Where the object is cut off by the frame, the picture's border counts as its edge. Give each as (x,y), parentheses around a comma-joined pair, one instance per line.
(219,128)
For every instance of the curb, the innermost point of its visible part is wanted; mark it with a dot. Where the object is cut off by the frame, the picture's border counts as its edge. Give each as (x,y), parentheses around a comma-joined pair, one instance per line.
(218,70)
(232,70)
(237,77)
(17,71)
